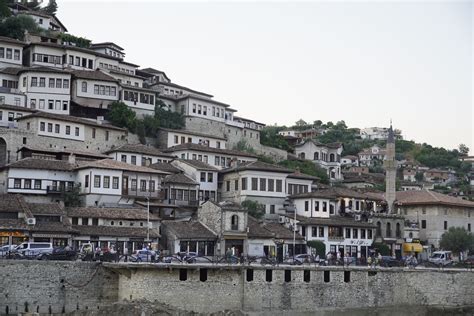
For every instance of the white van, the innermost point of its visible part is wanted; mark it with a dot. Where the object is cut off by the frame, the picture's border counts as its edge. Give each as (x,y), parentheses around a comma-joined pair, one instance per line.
(441,258)
(34,248)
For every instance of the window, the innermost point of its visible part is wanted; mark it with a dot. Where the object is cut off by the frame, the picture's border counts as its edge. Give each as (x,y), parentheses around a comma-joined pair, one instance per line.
(2,52)
(152,188)
(445,225)
(50,127)
(96,181)
(279,186)
(59,83)
(123,158)
(227,186)
(41,104)
(56,128)
(348,233)
(107,135)
(234,222)
(355,233)
(236,185)
(96,89)
(71,60)
(42,82)
(263,184)
(77,131)
(84,86)
(9,53)
(271,185)
(115,183)
(469,227)
(86,181)
(16,54)
(203,177)
(51,82)
(423,223)
(106,182)
(143,185)
(27,184)
(58,105)
(244,183)
(17,183)
(362,234)
(134,160)
(93,133)
(369,233)
(65,105)
(254,184)
(210,177)
(321,231)
(50,104)
(134,184)
(272,209)
(34,81)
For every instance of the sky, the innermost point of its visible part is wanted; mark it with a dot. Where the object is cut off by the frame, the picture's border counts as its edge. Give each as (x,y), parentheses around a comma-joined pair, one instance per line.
(278,62)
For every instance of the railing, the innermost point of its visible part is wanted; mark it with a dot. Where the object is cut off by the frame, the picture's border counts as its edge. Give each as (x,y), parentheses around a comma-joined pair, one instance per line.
(58,189)
(182,202)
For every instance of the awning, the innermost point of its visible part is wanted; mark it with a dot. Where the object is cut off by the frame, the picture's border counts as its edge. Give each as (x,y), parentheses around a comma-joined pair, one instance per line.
(412,247)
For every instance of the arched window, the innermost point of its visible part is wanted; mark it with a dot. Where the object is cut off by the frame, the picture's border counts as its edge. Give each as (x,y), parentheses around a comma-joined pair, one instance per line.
(332,158)
(234,222)
(316,156)
(398,231)
(379,229)
(389,230)
(302,155)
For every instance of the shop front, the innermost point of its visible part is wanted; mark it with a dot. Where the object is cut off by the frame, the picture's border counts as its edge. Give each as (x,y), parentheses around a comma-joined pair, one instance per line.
(13,237)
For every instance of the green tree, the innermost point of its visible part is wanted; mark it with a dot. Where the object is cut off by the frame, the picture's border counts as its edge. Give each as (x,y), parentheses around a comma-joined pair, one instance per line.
(317,123)
(419,176)
(121,115)
(269,137)
(15,26)
(168,119)
(457,239)
(318,246)
(32,4)
(72,198)
(306,167)
(51,8)
(383,249)
(463,149)
(4,10)
(254,208)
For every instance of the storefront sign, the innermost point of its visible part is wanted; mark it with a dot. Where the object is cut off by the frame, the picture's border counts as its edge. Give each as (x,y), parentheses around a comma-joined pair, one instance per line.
(13,234)
(360,243)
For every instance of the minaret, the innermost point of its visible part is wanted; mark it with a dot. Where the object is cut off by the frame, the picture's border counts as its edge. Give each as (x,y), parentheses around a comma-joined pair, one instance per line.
(390,165)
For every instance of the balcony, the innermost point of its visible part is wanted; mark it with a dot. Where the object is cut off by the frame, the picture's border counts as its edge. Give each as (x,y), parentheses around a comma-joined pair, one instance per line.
(194,203)
(140,193)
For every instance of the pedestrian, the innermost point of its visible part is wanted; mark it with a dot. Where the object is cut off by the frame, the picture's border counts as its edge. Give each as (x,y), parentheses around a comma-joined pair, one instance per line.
(369,261)
(228,255)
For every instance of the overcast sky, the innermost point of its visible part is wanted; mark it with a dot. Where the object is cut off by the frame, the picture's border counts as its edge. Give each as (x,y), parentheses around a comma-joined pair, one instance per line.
(363,63)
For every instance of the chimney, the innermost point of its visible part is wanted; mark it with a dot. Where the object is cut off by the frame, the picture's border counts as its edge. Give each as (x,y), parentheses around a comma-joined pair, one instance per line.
(100,119)
(72,158)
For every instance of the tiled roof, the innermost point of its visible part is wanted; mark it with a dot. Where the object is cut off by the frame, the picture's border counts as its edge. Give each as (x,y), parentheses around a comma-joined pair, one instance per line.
(105,44)
(334,193)
(425,197)
(92,75)
(333,221)
(174,85)
(116,165)
(115,231)
(317,143)
(179,178)
(269,230)
(15,108)
(111,213)
(46,209)
(257,166)
(51,227)
(199,165)
(165,166)
(62,151)
(189,133)
(69,118)
(42,164)
(299,175)
(11,40)
(191,229)
(139,149)
(18,70)
(13,224)
(10,203)
(202,148)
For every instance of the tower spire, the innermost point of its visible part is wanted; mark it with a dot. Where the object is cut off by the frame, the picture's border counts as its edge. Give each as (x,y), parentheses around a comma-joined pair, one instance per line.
(390,170)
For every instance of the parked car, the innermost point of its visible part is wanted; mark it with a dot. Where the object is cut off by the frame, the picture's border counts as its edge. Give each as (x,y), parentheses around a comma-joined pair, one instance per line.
(388,261)
(441,258)
(300,259)
(469,260)
(5,250)
(33,249)
(59,254)
(145,255)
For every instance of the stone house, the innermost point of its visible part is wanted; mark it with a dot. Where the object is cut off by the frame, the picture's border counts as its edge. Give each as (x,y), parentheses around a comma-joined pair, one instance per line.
(328,156)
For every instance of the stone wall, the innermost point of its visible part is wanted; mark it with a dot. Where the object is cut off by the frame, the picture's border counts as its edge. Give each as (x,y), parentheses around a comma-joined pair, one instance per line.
(355,288)
(54,287)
